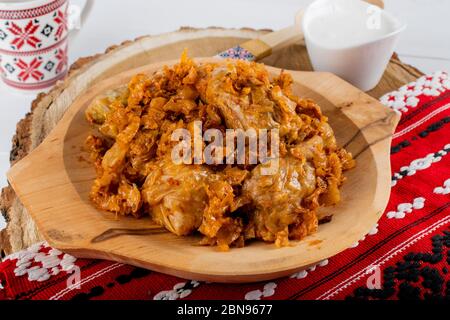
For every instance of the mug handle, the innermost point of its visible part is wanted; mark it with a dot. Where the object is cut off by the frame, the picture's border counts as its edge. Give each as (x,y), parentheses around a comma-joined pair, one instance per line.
(84,14)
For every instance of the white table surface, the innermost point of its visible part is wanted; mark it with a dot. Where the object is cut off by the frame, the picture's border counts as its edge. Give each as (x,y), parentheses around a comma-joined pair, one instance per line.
(425,44)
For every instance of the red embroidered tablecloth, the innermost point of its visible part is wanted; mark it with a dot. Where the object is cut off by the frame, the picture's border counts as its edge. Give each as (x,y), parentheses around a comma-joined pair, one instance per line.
(405,256)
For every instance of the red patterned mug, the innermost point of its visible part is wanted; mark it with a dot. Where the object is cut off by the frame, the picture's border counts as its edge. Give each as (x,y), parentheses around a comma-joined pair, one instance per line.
(34,42)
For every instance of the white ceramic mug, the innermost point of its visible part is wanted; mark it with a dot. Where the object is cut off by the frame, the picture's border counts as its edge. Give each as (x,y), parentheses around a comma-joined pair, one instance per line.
(356,55)
(34,42)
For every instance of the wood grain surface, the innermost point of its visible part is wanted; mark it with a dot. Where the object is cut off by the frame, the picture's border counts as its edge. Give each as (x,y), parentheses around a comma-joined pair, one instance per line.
(48,109)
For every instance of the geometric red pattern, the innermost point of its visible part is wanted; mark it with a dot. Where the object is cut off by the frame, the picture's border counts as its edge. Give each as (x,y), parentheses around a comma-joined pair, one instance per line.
(30,13)
(30,70)
(61,20)
(34,86)
(33,44)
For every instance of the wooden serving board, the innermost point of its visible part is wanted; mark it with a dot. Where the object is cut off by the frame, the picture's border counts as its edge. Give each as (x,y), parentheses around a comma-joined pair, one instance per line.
(54,180)
(48,109)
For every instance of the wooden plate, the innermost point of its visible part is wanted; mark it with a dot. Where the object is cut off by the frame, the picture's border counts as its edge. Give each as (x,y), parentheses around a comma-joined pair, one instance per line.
(53,183)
